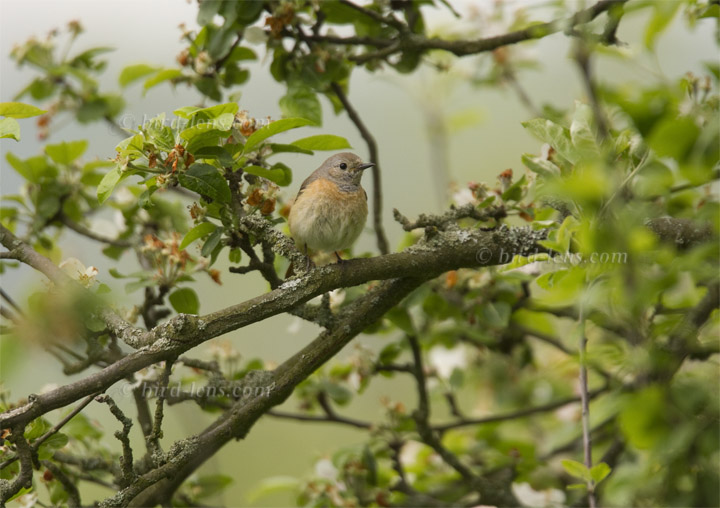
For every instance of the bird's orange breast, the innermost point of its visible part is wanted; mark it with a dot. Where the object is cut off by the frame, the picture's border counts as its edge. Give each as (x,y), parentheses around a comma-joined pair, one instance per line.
(324,217)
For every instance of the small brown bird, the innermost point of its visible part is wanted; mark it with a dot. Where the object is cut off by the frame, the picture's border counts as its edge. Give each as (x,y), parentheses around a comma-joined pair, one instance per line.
(330,209)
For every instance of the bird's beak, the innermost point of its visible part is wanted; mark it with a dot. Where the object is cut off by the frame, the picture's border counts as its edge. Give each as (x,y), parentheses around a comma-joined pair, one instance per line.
(365,166)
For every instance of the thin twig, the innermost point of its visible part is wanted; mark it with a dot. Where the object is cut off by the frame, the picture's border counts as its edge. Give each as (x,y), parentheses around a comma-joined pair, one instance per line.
(422,416)
(515,415)
(126,461)
(67,484)
(157,432)
(321,419)
(582,58)
(84,231)
(380,236)
(36,444)
(10,300)
(585,402)
(387,20)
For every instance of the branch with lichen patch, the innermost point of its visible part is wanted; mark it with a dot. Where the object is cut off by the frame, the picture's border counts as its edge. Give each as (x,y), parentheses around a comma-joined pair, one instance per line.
(468,211)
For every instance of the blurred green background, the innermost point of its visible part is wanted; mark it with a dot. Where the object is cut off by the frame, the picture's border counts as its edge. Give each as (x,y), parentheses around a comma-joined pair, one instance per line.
(404,114)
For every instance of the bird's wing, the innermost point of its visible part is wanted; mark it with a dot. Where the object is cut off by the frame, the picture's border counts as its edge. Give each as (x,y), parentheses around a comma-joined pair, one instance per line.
(310,179)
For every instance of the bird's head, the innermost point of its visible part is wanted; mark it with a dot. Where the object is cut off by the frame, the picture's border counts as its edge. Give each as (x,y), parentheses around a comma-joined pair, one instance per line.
(345,168)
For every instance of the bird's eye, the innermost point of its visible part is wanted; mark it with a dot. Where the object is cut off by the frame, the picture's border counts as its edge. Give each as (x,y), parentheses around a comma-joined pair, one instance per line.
(343,165)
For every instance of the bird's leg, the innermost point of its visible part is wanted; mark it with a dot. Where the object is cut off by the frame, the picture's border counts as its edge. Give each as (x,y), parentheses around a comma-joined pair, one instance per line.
(339,259)
(310,263)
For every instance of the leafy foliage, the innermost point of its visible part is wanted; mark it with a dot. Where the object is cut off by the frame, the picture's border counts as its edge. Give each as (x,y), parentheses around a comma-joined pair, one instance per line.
(621,292)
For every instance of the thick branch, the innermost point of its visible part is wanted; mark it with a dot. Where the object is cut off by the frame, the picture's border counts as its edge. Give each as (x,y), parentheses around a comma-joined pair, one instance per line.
(448,250)
(236,423)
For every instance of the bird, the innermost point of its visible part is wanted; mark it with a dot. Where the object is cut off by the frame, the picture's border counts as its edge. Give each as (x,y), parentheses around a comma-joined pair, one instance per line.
(330,209)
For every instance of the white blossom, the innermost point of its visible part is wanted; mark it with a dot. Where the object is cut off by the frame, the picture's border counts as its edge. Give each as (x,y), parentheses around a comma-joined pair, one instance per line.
(446,360)
(78,271)
(324,469)
(538,498)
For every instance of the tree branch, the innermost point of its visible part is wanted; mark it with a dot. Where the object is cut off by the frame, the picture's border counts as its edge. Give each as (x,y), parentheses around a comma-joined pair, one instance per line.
(84,231)
(24,479)
(414,42)
(236,423)
(448,250)
(585,402)
(514,415)
(126,461)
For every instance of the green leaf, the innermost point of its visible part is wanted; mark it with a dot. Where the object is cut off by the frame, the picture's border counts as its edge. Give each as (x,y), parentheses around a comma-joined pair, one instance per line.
(108,183)
(496,314)
(554,135)
(138,284)
(19,110)
(389,353)
(21,492)
(217,126)
(51,445)
(273,128)
(131,146)
(82,429)
(674,137)
(581,133)
(241,53)
(577,486)
(217,153)
(576,469)
(338,13)
(599,472)
(301,101)
(322,142)
(37,428)
(282,148)
(23,169)
(339,394)
(186,112)
(370,465)
(207,11)
(163,75)
(211,243)
(514,192)
(58,494)
(206,181)
(216,111)
(65,153)
(208,87)
(278,173)
(134,72)
(210,485)
(401,318)
(542,167)
(9,128)
(235,256)
(185,301)
(643,418)
(202,229)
